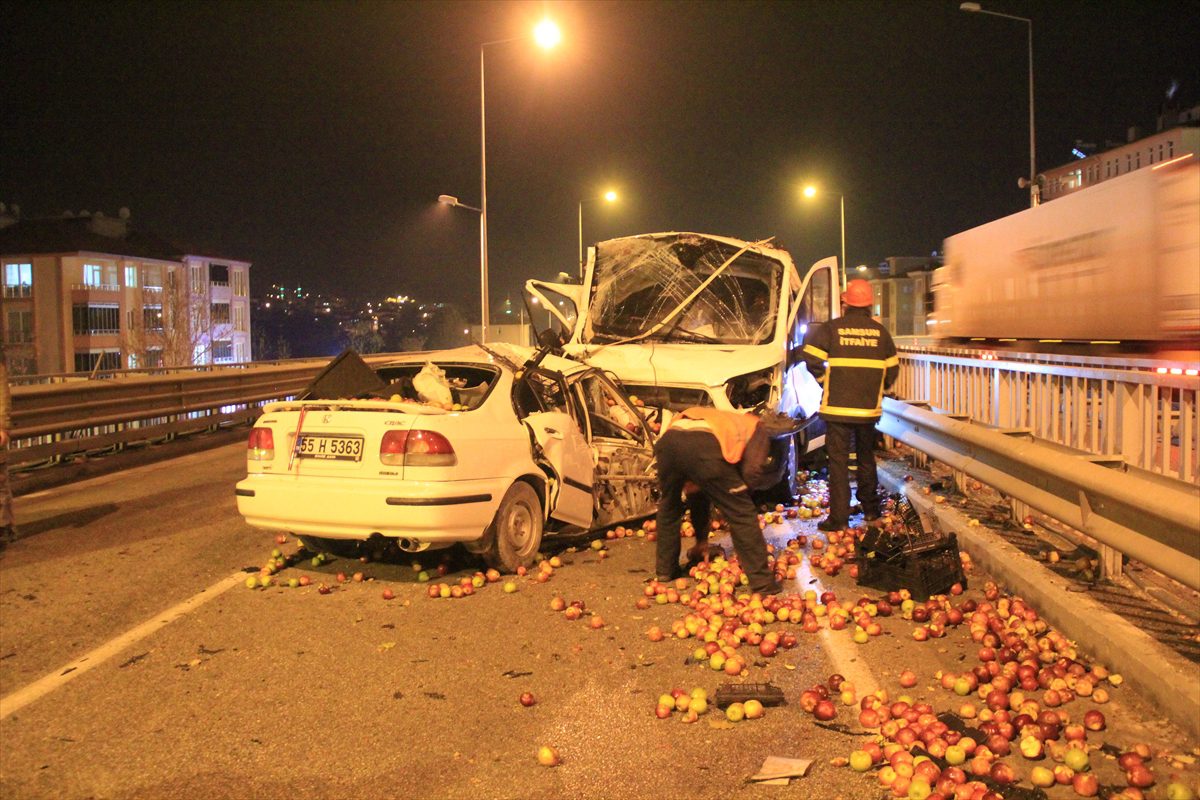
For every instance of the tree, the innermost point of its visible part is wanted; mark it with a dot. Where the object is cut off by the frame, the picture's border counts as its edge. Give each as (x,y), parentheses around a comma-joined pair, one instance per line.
(447,329)
(363,337)
(171,327)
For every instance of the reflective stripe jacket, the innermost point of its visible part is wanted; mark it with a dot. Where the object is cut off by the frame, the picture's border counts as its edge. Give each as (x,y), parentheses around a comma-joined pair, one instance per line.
(854,358)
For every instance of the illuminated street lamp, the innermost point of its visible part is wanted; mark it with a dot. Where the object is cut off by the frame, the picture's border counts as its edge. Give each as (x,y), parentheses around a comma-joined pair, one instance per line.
(810,191)
(547,35)
(609,197)
(1034,192)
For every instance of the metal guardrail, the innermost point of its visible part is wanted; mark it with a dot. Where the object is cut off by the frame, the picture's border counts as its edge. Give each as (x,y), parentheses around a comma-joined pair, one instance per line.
(75,415)
(1121,407)
(1146,516)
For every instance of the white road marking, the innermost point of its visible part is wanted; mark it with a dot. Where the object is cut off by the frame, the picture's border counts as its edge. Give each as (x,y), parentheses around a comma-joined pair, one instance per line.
(847,658)
(43,686)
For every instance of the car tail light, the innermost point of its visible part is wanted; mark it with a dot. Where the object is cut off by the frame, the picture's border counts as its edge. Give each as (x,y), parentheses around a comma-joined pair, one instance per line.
(391,449)
(416,448)
(261,445)
(429,449)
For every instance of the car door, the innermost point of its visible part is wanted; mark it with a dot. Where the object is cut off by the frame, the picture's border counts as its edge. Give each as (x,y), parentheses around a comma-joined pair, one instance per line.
(625,481)
(562,447)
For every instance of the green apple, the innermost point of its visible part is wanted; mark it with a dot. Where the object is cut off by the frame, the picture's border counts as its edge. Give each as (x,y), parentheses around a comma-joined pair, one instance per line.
(1076,759)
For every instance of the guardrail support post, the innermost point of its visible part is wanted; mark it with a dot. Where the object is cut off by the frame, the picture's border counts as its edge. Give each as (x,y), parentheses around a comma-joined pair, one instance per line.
(960,481)
(1019,510)
(1110,563)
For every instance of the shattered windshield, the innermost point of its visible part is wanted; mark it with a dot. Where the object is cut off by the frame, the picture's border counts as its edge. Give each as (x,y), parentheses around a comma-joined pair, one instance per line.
(638,282)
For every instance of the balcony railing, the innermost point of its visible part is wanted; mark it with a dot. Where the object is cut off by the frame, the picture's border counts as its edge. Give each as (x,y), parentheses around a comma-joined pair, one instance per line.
(96,287)
(21,290)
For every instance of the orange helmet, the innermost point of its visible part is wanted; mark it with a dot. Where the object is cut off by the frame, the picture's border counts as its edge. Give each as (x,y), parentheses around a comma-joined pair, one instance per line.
(858,294)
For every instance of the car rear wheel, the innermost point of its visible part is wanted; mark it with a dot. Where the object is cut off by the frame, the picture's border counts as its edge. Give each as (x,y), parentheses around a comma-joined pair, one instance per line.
(515,534)
(343,548)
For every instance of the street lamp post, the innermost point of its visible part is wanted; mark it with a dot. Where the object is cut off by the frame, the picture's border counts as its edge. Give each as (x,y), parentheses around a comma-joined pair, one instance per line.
(452,201)
(1034,189)
(811,191)
(609,197)
(547,35)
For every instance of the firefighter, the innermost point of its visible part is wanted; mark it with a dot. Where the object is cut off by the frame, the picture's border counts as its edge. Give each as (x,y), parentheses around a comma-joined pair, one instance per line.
(854,359)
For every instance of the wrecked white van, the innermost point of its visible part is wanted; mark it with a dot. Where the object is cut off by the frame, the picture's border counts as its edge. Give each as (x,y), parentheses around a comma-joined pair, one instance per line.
(691,319)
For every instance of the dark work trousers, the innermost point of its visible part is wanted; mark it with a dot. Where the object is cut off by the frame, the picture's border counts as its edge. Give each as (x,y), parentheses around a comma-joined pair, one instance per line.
(838,436)
(684,455)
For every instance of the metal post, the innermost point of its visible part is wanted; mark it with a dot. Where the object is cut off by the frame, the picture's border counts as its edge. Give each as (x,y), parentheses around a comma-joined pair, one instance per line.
(1034,189)
(483,249)
(842,204)
(581,241)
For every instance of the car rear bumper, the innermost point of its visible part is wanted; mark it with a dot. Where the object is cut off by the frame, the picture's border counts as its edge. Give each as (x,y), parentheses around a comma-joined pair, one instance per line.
(333,508)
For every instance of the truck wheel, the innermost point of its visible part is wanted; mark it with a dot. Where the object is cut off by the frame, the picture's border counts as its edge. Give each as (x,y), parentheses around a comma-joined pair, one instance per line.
(342,548)
(515,534)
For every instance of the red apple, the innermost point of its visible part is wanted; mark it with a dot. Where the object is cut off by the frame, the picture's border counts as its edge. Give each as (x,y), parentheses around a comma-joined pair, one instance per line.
(1085,784)
(825,710)
(527,699)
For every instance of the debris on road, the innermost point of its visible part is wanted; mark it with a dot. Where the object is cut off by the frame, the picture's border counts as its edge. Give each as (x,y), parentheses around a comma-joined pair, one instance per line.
(778,770)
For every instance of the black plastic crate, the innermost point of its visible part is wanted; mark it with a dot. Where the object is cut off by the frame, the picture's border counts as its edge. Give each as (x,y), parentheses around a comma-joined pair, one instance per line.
(929,571)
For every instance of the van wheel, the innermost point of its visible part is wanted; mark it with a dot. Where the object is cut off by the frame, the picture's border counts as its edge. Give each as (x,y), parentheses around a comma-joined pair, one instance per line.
(515,534)
(342,548)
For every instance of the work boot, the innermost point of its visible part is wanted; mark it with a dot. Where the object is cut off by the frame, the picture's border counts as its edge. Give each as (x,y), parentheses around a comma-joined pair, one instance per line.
(829,525)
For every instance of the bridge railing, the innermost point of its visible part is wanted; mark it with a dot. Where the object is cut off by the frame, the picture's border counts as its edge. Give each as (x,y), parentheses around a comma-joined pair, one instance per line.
(1137,410)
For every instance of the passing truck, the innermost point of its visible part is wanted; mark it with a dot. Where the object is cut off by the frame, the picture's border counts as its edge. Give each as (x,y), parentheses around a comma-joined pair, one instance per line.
(1114,263)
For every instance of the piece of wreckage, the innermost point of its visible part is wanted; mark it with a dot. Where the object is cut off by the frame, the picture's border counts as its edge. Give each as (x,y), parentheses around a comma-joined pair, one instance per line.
(692,319)
(491,446)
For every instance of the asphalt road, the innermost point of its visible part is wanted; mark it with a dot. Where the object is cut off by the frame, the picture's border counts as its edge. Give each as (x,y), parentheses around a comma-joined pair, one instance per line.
(285,692)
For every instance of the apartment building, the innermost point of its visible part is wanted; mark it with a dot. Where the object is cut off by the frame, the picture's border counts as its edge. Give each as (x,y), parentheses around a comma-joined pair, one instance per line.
(1178,136)
(85,292)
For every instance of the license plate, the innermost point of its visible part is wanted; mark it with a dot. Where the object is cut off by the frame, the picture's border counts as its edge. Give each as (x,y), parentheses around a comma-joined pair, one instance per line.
(335,448)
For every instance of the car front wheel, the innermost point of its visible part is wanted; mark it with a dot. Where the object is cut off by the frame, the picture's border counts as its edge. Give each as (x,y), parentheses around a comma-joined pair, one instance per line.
(515,534)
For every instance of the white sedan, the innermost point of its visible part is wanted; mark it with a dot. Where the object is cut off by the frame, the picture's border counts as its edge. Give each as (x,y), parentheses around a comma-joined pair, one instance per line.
(529,446)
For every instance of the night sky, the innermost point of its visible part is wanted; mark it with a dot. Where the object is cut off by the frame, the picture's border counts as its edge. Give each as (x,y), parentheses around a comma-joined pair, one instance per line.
(314,138)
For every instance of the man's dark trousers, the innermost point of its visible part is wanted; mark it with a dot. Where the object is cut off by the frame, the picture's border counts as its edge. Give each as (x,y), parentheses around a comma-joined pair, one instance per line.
(684,455)
(838,438)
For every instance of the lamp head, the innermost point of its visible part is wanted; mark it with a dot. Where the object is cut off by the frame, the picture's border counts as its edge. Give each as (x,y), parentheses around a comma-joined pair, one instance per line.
(972,7)
(810,191)
(446,199)
(547,34)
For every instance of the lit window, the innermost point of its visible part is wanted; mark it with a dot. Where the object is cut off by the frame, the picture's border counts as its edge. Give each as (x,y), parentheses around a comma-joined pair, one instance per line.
(92,275)
(131,276)
(18,280)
